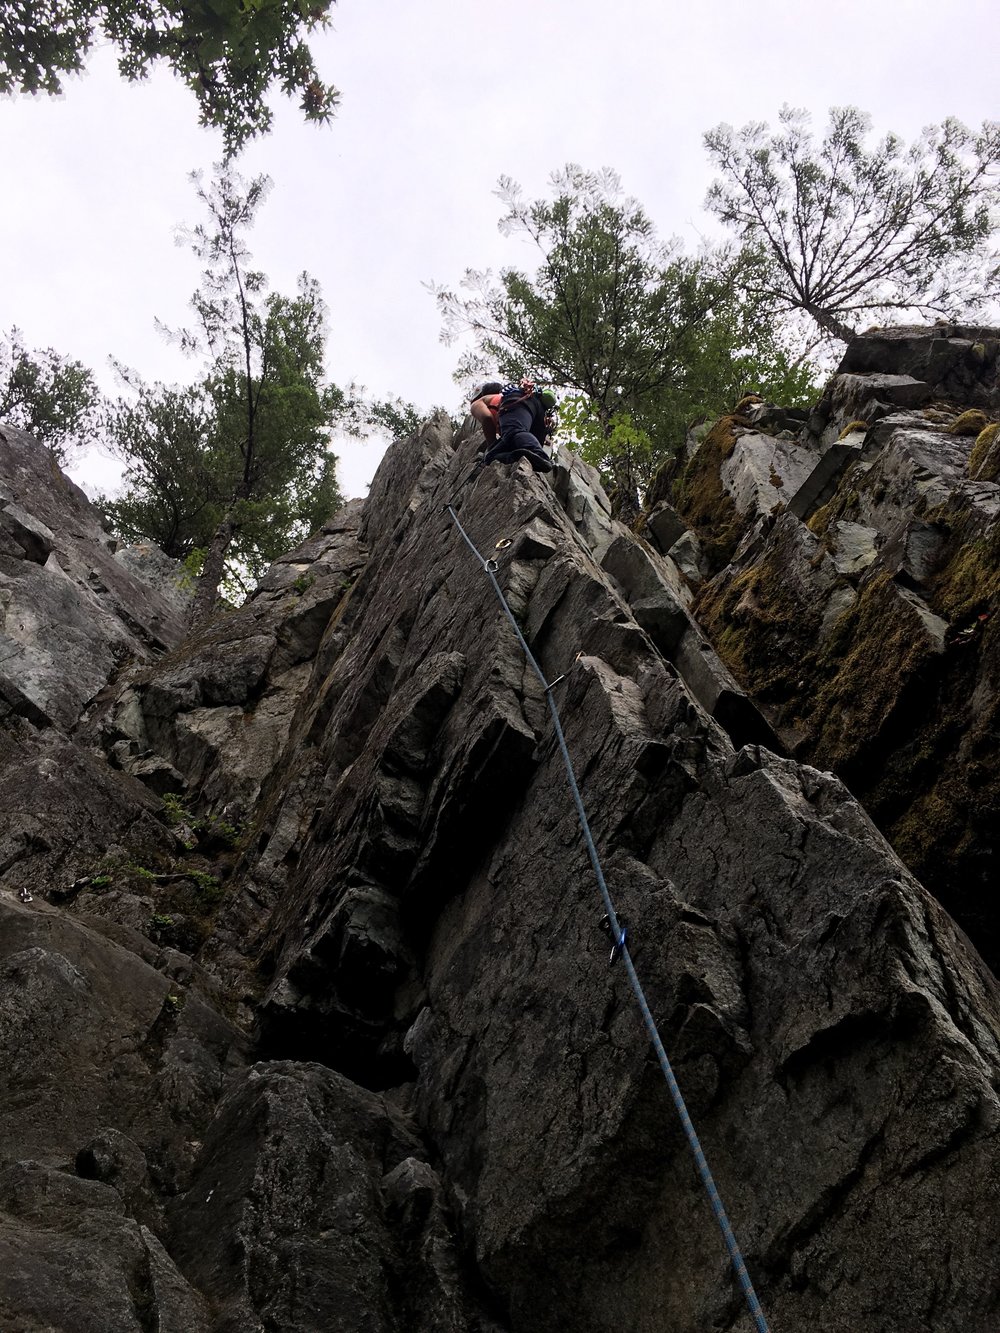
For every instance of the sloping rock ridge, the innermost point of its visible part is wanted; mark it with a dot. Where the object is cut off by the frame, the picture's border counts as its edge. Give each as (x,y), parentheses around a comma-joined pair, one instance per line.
(309,1023)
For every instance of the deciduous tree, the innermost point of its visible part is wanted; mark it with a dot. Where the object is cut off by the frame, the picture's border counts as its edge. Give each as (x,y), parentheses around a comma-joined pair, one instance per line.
(50,395)
(228,52)
(848,231)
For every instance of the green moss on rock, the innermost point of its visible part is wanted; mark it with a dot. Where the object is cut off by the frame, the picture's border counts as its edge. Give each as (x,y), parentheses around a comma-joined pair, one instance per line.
(851,427)
(748,400)
(969,582)
(661,487)
(969,423)
(701,499)
(762,627)
(984,461)
(868,660)
(819,523)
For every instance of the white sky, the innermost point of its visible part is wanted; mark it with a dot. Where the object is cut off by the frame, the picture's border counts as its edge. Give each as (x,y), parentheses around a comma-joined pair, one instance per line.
(438,100)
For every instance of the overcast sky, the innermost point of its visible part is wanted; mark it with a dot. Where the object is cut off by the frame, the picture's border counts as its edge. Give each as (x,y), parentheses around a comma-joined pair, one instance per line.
(438,100)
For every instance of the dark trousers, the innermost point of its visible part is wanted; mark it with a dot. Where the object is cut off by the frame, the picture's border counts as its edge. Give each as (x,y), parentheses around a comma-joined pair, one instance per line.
(515,432)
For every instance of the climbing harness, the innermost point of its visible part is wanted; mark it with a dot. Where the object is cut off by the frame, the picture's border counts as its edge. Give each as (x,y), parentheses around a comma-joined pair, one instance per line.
(618,930)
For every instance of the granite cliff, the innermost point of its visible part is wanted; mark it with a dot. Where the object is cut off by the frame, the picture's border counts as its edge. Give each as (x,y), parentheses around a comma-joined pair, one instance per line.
(306,1018)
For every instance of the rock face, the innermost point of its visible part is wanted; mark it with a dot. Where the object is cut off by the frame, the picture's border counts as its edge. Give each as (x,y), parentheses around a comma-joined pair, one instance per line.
(861,616)
(69,615)
(310,1024)
(170,579)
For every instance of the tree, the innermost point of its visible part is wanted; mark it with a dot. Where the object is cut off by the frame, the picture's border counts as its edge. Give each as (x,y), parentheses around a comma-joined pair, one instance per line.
(47,394)
(172,491)
(228,52)
(237,466)
(394,417)
(845,232)
(642,336)
(735,353)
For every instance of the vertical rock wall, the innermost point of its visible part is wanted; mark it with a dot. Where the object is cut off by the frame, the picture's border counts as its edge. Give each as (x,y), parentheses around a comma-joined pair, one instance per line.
(400,1087)
(860,608)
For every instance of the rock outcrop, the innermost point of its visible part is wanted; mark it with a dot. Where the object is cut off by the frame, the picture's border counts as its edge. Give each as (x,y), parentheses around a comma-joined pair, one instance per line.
(310,1024)
(859,609)
(70,615)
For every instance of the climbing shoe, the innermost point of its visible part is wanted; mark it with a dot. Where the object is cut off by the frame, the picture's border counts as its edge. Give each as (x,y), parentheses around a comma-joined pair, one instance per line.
(538,460)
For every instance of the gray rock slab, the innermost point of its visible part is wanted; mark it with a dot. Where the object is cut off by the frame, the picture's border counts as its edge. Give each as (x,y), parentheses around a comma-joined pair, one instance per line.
(221,719)
(35,540)
(912,552)
(687,555)
(957,361)
(665,526)
(312,1207)
(639,572)
(850,392)
(70,614)
(773,418)
(915,463)
(764,472)
(821,483)
(610,1121)
(71,1259)
(932,626)
(65,808)
(578,488)
(854,548)
(79,1015)
(715,688)
(650,585)
(839,602)
(147,562)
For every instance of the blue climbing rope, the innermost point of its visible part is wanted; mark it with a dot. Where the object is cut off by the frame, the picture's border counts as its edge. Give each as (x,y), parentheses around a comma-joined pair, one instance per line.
(618,934)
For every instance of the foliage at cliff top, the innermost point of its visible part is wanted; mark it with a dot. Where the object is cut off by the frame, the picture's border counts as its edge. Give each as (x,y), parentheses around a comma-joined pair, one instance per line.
(643,336)
(228,52)
(847,232)
(47,394)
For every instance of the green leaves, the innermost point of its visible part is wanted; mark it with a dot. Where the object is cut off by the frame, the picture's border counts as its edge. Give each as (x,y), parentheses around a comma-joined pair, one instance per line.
(238,465)
(228,52)
(640,337)
(846,231)
(47,394)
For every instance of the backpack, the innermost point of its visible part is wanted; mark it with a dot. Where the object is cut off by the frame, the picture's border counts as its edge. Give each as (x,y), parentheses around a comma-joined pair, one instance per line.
(550,421)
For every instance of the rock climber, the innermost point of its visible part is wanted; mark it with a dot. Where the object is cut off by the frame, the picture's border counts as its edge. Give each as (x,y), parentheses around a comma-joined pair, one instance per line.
(485,407)
(513,418)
